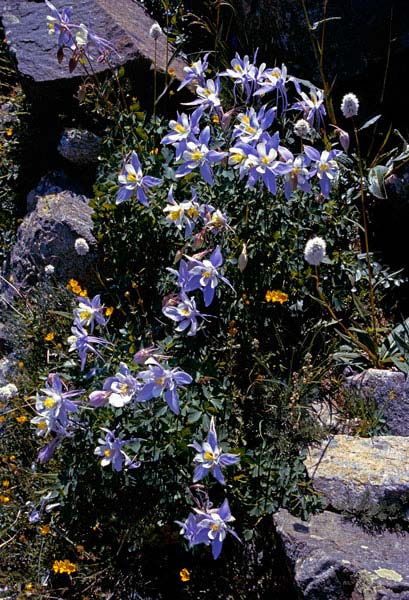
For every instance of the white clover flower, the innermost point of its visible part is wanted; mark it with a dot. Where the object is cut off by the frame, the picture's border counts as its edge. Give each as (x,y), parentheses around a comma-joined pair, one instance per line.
(314,251)
(155,31)
(81,247)
(349,105)
(302,128)
(49,270)
(7,392)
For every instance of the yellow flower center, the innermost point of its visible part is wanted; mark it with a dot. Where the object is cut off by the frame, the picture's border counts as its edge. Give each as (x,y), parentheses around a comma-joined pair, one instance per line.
(207,274)
(175,214)
(160,381)
(208,456)
(180,128)
(185,312)
(41,425)
(197,155)
(324,167)
(192,213)
(107,453)
(49,402)
(131,177)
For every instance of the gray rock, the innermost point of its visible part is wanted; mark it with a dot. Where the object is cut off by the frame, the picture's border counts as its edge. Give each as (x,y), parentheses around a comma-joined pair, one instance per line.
(52,183)
(47,236)
(390,391)
(362,475)
(124,23)
(334,559)
(80,147)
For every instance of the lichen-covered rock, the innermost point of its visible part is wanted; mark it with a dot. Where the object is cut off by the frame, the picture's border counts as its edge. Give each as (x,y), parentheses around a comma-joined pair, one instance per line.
(47,237)
(333,559)
(53,183)
(390,391)
(363,475)
(80,147)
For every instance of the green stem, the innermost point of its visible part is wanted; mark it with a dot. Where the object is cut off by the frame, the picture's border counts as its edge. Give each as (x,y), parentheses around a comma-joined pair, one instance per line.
(366,241)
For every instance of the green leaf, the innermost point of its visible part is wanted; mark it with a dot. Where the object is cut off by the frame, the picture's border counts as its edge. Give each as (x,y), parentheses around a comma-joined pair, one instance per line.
(376,180)
(370,122)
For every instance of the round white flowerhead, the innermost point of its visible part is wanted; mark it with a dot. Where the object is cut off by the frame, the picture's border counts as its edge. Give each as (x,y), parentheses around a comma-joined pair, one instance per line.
(155,31)
(349,106)
(81,246)
(302,128)
(314,251)
(49,270)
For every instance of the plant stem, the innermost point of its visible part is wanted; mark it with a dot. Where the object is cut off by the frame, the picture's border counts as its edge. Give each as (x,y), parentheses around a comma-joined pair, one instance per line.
(366,242)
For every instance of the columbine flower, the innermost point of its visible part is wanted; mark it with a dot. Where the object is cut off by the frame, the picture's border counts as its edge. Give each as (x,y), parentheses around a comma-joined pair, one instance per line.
(197,154)
(243,73)
(53,407)
(155,31)
(158,380)
(312,106)
(82,342)
(184,129)
(302,128)
(208,526)
(251,125)
(111,451)
(195,73)
(185,313)
(132,180)
(326,167)
(296,174)
(208,96)
(314,251)
(81,246)
(205,275)
(275,80)
(210,457)
(349,106)
(264,165)
(182,215)
(60,23)
(90,312)
(121,388)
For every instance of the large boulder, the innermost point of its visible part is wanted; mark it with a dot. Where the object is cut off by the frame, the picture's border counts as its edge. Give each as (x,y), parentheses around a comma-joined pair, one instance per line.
(365,476)
(389,390)
(124,23)
(47,236)
(333,559)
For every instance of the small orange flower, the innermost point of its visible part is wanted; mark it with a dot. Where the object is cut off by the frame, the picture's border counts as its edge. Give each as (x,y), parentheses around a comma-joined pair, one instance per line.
(49,336)
(45,530)
(276,296)
(9,132)
(2,418)
(109,310)
(184,575)
(22,419)
(215,119)
(171,93)
(5,483)
(64,566)
(80,549)
(4,499)
(171,72)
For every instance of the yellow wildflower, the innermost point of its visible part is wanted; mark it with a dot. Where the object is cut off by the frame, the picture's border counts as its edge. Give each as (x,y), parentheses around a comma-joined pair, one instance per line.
(171,93)
(49,336)
(171,72)
(80,548)
(5,483)
(29,587)
(45,529)
(83,293)
(184,575)
(109,310)
(21,419)
(21,365)
(276,296)
(64,566)
(4,499)
(2,418)
(12,457)
(9,132)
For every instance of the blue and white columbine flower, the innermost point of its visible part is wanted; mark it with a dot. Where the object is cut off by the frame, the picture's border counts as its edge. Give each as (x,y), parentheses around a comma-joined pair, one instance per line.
(184,312)
(83,343)
(325,167)
(252,125)
(209,526)
(195,73)
(210,458)
(132,181)
(90,312)
(184,214)
(198,155)
(184,129)
(60,23)
(158,380)
(313,107)
(205,275)
(110,449)
(53,407)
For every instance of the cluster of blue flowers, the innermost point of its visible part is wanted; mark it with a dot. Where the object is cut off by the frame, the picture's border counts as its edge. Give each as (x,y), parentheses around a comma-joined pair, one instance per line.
(207,525)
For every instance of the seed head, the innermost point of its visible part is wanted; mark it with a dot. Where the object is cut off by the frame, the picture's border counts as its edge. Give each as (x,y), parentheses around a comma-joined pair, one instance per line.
(314,251)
